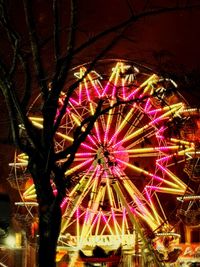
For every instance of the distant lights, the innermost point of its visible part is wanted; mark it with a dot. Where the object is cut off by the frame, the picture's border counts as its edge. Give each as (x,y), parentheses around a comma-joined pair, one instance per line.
(168,234)
(190,197)
(168,80)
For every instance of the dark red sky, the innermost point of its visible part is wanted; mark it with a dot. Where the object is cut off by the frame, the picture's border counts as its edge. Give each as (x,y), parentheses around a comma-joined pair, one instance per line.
(174,35)
(177,33)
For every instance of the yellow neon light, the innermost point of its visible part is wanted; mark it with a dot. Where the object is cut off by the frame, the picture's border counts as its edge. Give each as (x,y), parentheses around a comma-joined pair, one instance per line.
(173,176)
(153,209)
(30,197)
(124,122)
(70,171)
(153,78)
(35,119)
(65,137)
(187,143)
(145,127)
(167,190)
(98,223)
(82,186)
(115,69)
(107,225)
(32,187)
(84,177)
(137,169)
(22,156)
(148,149)
(40,126)
(134,193)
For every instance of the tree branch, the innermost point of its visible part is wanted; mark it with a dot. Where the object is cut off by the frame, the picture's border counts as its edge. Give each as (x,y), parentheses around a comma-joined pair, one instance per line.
(51,103)
(56,25)
(35,49)
(14,40)
(74,85)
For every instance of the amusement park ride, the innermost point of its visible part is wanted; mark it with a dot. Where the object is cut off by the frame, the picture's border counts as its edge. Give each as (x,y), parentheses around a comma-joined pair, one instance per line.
(142,152)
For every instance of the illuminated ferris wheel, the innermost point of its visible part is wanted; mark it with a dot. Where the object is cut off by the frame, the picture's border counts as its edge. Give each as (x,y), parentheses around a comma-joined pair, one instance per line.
(130,161)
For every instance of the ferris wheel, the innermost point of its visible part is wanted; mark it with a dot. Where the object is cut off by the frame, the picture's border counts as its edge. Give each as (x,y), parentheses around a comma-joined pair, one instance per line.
(132,161)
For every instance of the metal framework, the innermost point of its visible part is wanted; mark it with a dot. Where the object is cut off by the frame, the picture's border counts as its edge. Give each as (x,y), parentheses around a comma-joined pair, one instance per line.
(127,161)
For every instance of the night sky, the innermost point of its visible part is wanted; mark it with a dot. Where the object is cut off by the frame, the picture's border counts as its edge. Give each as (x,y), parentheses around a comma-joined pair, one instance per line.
(169,42)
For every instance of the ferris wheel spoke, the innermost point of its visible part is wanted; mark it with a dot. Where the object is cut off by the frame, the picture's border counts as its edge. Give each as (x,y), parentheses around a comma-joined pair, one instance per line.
(161,110)
(179,153)
(88,146)
(76,197)
(38,122)
(143,208)
(123,124)
(131,213)
(106,224)
(84,156)
(149,125)
(110,116)
(149,198)
(78,119)
(173,177)
(115,73)
(96,88)
(78,167)
(152,79)
(108,125)
(134,125)
(148,174)
(92,209)
(92,107)
(148,151)
(166,190)
(118,229)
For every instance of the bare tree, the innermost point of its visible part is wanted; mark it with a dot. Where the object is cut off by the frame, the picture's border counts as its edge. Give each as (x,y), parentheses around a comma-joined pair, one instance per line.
(21,74)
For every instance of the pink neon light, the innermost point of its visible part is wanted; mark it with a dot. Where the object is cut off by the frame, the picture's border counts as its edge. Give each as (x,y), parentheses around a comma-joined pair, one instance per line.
(96,89)
(133,210)
(104,218)
(80,94)
(165,158)
(156,120)
(147,194)
(160,136)
(77,213)
(114,91)
(85,154)
(87,146)
(152,187)
(124,214)
(97,132)
(55,191)
(161,167)
(86,216)
(64,202)
(73,101)
(154,111)
(147,105)
(106,135)
(87,93)
(132,95)
(92,140)
(123,91)
(105,89)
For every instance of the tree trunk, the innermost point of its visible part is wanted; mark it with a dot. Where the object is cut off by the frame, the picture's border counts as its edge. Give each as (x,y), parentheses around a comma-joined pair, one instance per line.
(49,229)
(49,213)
